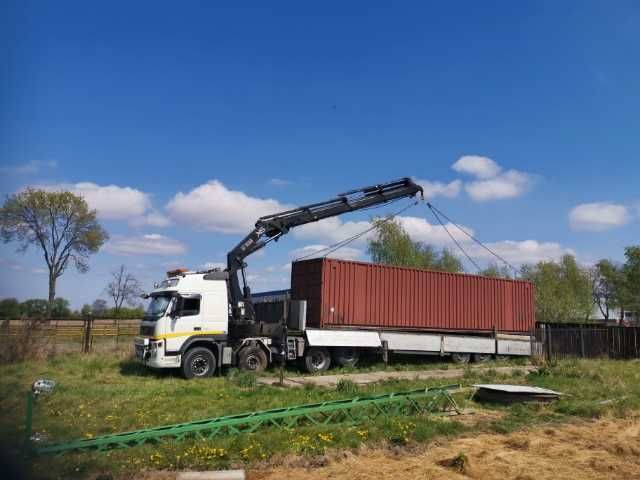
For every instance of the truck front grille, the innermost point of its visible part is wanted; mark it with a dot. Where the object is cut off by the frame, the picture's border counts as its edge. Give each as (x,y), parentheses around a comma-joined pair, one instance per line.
(146,331)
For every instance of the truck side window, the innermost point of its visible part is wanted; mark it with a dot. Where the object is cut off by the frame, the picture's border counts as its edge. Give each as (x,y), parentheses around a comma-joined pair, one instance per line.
(190,306)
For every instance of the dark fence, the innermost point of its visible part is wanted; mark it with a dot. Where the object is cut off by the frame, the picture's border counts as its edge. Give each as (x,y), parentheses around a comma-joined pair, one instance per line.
(555,341)
(45,337)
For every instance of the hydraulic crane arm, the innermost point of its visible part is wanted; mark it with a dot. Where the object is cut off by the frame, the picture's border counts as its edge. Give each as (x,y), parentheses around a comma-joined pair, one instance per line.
(272,227)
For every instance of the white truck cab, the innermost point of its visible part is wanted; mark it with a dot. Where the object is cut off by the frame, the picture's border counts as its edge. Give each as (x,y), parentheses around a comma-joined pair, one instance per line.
(186,310)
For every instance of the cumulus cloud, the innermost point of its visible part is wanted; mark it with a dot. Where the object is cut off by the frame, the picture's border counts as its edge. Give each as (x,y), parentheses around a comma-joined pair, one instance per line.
(332,230)
(212,206)
(509,184)
(520,252)
(344,253)
(419,229)
(151,219)
(150,244)
(491,182)
(598,216)
(112,202)
(439,189)
(476,165)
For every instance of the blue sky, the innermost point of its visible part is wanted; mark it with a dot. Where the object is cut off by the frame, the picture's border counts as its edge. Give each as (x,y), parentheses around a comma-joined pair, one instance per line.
(181,123)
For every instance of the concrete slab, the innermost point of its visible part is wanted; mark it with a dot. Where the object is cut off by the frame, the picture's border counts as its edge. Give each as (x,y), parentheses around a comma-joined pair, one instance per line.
(212,475)
(365,378)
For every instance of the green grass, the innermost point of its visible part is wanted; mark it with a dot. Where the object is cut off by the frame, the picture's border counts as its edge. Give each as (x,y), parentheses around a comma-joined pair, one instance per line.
(97,395)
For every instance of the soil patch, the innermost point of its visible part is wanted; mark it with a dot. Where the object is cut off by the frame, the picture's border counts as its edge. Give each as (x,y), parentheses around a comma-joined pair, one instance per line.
(587,450)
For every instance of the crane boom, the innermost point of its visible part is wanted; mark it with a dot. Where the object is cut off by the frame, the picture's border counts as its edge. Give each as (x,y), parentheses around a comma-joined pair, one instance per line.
(272,227)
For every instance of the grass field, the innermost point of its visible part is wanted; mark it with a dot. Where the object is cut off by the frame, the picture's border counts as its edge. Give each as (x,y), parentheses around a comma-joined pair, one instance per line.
(101,394)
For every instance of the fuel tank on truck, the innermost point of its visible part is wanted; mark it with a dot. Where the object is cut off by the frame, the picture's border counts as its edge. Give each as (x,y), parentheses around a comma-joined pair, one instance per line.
(342,293)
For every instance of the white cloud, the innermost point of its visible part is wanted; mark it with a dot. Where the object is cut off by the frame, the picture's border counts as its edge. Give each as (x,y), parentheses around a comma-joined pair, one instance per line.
(421,230)
(332,230)
(491,182)
(476,165)
(344,253)
(29,168)
(150,244)
(435,189)
(598,216)
(279,182)
(509,184)
(151,219)
(112,202)
(519,252)
(212,206)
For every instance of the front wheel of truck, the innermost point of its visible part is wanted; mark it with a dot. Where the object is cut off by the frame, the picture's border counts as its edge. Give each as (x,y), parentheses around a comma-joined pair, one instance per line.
(198,362)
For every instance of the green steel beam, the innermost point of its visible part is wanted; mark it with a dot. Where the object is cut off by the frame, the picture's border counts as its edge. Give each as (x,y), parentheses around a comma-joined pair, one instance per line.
(353,410)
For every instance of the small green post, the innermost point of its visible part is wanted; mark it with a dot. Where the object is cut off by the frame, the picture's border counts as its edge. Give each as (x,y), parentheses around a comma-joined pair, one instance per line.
(28,422)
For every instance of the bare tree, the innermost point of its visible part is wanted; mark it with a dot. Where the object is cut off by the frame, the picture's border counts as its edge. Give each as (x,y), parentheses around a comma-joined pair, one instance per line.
(124,287)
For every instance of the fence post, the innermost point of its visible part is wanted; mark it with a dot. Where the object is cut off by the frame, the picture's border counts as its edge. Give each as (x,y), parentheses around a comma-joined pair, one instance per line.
(385,352)
(117,320)
(582,342)
(547,332)
(86,346)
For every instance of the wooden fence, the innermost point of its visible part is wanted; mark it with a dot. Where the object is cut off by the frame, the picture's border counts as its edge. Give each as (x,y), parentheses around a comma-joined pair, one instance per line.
(555,341)
(70,335)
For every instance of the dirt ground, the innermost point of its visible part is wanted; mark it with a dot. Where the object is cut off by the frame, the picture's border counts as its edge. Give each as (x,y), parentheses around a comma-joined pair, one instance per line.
(586,450)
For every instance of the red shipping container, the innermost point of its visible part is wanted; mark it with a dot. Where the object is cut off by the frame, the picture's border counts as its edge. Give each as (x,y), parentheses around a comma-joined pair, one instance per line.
(342,293)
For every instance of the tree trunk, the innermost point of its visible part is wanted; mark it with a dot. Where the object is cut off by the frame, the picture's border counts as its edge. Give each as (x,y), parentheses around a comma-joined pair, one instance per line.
(52,294)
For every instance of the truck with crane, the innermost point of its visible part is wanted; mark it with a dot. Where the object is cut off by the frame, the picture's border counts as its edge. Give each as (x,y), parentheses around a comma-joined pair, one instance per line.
(202,321)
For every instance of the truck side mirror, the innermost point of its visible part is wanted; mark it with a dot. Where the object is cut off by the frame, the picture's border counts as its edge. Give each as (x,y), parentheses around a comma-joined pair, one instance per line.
(175,307)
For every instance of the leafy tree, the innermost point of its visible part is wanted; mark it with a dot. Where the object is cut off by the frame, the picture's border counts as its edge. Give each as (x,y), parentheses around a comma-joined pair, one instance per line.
(99,307)
(35,308)
(60,224)
(86,310)
(9,309)
(607,286)
(392,245)
(123,287)
(124,312)
(494,270)
(60,308)
(630,291)
(563,290)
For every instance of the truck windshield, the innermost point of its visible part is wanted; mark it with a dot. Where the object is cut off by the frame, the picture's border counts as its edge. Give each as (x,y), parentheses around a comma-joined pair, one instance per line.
(157,306)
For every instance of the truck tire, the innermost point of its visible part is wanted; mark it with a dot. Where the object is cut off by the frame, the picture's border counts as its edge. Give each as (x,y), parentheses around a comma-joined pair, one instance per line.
(481,357)
(317,359)
(345,356)
(461,357)
(252,358)
(198,362)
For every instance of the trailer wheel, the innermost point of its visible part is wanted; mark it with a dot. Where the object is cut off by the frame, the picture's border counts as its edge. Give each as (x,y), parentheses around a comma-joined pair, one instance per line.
(460,357)
(481,357)
(198,362)
(345,356)
(317,359)
(252,358)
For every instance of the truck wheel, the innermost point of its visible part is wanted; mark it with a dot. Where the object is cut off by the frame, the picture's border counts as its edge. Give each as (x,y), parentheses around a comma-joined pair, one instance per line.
(198,362)
(481,357)
(252,358)
(460,357)
(345,356)
(317,359)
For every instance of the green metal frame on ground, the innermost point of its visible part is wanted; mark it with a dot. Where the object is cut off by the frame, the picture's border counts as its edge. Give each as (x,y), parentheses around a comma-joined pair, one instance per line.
(353,410)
